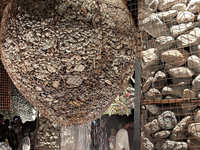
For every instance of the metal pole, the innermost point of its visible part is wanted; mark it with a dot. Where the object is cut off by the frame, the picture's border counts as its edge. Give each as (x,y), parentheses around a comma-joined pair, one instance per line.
(137,107)
(36,131)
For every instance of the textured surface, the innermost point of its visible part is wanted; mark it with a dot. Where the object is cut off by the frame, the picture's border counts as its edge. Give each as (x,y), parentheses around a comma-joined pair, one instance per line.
(68,58)
(172,28)
(48,134)
(20,107)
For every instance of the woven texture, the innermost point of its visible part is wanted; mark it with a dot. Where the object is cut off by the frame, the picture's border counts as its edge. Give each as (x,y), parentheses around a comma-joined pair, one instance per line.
(70,59)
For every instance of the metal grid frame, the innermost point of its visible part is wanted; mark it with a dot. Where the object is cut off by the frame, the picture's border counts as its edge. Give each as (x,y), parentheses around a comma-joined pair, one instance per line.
(5,90)
(181,105)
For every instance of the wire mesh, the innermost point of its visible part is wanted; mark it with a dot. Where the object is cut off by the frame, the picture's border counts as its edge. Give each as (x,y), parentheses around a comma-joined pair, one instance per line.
(47,135)
(5,89)
(133,8)
(70,59)
(169,34)
(5,83)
